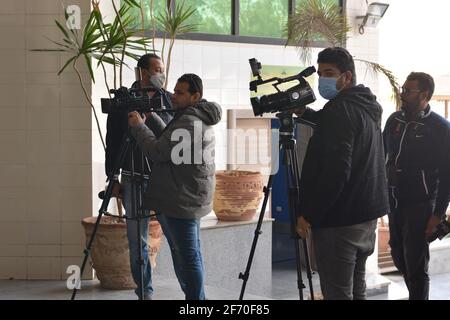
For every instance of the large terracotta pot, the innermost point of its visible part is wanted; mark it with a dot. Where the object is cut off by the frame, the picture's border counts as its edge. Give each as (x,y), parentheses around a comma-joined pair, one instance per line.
(110,254)
(238,194)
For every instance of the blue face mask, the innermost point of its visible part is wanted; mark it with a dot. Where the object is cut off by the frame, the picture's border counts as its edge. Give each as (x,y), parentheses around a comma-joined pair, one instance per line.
(327,87)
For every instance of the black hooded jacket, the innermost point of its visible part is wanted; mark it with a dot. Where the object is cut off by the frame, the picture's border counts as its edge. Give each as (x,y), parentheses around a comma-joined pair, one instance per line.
(343,179)
(418,160)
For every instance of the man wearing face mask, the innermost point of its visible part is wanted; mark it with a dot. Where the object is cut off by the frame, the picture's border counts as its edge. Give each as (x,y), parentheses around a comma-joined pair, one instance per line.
(417,145)
(183,178)
(343,181)
(153,77)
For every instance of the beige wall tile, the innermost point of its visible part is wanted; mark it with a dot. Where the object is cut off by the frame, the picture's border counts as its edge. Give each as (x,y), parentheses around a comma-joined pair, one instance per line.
(16,80)
(43,119)
(13,96)
(13,268)
(44,268)
(43,96)
(12,7)
(88,273)
(13,146)
(43,7)
(73,96)
(45,233)
(75,176)
(13,175)
(40,20)
(13,60)
(83,136)
(12,37)
(72,233)
(44,152)
(43,61)
(70,250)
(42,78)
(76,153)
(12,20)
(44,175)
(13,250)
(76,204)
(75,119)
(13,233)
(44,204)
(43,250)
(14,204)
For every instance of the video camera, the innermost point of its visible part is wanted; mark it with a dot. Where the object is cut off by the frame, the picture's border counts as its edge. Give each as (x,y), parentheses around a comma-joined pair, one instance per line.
(126,100)
(440,231)
(293,98)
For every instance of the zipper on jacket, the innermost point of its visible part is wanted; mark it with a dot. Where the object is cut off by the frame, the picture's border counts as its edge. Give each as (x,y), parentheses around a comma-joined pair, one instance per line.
(424,182)
(401,143)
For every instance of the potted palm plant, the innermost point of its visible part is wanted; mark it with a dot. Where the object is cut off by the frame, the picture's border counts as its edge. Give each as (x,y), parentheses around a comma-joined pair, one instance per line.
(109,44)
(317,20)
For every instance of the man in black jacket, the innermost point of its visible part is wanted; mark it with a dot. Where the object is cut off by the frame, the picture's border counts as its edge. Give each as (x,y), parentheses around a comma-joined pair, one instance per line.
(153,77)
(343,184)
(417,143)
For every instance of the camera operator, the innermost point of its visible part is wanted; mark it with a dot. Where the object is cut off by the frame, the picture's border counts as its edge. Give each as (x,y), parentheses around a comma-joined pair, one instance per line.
(343,182)
(183,179)
(152,70)
(417,143)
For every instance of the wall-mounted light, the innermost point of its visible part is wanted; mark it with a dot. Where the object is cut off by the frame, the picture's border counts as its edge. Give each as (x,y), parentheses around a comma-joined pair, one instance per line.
(375,11)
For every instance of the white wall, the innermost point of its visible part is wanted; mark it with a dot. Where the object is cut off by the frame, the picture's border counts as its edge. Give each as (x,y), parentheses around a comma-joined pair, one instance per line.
(414,37)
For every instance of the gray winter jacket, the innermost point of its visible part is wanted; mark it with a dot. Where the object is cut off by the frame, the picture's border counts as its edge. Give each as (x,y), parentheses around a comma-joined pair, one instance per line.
(182,180)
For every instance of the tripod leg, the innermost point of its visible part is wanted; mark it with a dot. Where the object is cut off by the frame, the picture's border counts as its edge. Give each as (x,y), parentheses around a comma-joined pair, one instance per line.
(295,203)
(136,208)
(244,276)
(102,210)
(293,208)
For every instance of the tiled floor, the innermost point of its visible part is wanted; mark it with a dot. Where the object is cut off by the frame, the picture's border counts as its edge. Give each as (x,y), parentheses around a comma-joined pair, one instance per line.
(284,287)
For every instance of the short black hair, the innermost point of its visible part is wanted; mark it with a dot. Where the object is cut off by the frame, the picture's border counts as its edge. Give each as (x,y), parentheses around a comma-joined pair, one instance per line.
(144,61)
(426,82)
(339,57)
(194,81)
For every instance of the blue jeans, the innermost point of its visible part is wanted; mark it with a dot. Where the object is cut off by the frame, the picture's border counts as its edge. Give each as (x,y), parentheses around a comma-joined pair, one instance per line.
(133,242)
(183,237)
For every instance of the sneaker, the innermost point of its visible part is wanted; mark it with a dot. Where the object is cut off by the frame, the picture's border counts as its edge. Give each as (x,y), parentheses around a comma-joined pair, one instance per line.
(147,296)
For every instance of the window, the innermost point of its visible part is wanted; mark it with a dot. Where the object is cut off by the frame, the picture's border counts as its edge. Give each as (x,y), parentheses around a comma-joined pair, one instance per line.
(212,16)
(249,21)
(263,18)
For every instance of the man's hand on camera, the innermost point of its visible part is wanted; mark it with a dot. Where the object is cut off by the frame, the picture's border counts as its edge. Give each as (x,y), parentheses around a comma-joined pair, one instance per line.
(135,119)
(302,227)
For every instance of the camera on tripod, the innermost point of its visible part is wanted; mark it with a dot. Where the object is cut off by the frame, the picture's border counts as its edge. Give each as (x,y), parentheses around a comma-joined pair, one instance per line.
(293,98)
(125,100)
(441,230)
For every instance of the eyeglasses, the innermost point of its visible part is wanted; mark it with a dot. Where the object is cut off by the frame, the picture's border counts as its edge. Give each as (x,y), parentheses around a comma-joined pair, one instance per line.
(408,91)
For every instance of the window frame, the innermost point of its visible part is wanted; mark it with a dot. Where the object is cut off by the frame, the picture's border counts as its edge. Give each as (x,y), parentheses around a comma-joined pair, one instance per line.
(235,36)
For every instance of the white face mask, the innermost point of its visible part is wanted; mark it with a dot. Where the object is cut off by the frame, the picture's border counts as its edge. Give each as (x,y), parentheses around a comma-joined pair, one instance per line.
(157,80)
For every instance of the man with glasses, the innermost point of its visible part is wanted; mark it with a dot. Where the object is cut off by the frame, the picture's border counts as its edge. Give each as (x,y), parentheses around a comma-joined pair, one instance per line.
(417,147)
(182,182)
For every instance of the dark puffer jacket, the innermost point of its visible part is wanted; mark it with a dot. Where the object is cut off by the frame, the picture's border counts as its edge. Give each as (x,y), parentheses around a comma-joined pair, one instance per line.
(182,181)
(343,179)
(418,160)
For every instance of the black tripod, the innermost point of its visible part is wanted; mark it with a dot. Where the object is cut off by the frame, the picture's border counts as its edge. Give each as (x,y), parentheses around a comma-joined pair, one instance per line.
(289,156)
(137,211)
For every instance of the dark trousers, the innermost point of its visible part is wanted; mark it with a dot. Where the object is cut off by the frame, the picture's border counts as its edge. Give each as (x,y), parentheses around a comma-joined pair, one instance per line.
(341,255)
(409,248)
